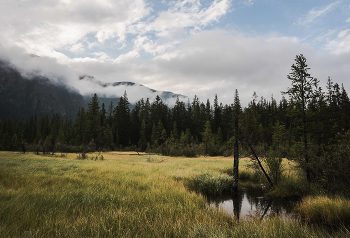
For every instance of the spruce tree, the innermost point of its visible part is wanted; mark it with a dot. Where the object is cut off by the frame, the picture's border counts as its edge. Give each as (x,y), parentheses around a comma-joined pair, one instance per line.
(304,89)
(207,137)
(236,114)
(217,114)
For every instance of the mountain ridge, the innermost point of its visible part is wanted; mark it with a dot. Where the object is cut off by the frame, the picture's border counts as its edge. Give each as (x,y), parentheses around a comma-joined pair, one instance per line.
(22,96)
(145,92)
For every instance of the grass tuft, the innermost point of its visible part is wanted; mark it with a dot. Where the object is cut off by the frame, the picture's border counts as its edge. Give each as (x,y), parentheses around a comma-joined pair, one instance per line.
(210,185)
(324,210)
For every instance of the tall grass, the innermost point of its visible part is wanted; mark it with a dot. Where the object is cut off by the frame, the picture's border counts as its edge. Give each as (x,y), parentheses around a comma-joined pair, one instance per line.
(325,210)
(211,185)
(120,196)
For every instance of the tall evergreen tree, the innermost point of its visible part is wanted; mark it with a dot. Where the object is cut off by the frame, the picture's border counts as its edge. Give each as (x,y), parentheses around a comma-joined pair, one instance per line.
(304,89)
(207,137)
(236,115)
(94,120)
(122,121)
(217,114)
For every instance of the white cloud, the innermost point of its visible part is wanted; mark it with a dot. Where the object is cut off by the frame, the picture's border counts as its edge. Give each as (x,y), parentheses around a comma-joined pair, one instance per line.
(166,50)
(188,13)
(54,25)
(207,63)
(315,13)
(249,2)
(103,56)
(44,66)
(77,48)
(341,44)
(127,56)
(47,28)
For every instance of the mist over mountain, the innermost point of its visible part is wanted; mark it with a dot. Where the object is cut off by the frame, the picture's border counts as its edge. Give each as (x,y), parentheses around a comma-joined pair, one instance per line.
(21,96)
(108,92)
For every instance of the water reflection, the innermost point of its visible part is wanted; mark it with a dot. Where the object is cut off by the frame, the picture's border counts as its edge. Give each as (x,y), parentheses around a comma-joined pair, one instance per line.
(252,202)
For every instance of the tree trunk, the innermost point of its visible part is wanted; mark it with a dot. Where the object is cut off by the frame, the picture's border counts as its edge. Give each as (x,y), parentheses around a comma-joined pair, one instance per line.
(260,165)
(236,160)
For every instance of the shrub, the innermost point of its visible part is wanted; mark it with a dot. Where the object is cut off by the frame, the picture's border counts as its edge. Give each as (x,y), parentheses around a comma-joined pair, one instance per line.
(274,166)
(292,187)
(83,155)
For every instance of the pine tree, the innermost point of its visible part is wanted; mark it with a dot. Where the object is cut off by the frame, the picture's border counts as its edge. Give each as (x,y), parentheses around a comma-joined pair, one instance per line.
(198,122)
(304,89)
(236,115)
(207,136)
(94,120)
(122,121)
(217,114)
(143,139)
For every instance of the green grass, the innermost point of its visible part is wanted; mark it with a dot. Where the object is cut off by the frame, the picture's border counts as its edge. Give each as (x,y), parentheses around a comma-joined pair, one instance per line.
(121,196)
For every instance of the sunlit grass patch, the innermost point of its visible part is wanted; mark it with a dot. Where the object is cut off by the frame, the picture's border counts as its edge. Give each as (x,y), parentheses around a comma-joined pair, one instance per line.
(121,196)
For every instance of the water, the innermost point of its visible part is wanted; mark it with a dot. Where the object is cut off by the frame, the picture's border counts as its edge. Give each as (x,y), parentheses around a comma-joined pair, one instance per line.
(252,202)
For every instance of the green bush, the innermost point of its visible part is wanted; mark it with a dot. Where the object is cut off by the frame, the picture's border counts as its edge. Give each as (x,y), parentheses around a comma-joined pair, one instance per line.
(292,187)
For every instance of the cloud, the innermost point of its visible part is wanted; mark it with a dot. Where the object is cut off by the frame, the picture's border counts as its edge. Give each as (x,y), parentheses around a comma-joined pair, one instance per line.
(171,49)
(208,63)
(189,14)
(315,13)
(92,28)
(44,27)
(249,2)
(219,62)
(30,65)
(127,56)
(77,48)
(341,44)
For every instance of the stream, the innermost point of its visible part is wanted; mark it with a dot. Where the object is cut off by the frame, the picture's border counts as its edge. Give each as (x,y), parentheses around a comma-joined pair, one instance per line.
(252,202)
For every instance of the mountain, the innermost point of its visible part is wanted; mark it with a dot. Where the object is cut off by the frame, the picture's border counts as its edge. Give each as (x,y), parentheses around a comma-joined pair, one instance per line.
(20,96)
(108,92)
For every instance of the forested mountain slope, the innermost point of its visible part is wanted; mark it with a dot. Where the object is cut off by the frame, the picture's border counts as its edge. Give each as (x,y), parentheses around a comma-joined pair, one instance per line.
(20,97)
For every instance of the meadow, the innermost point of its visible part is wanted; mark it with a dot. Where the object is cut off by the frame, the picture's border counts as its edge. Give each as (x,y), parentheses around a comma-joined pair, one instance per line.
(127,195)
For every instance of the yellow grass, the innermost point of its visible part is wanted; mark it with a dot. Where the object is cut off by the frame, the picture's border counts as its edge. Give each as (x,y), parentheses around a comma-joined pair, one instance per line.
(121,196)
(325,210)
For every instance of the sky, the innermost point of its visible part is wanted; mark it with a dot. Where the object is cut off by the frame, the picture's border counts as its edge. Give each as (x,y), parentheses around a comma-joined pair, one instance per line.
(189,47)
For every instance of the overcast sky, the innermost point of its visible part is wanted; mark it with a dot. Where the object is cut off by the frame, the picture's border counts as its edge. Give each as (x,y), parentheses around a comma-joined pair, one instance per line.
(191,47)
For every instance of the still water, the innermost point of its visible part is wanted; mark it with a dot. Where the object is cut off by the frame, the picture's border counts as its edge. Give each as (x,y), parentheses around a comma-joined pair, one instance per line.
(252,202)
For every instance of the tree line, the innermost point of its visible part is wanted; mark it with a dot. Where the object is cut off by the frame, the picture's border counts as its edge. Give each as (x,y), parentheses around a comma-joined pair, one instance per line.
(309,125)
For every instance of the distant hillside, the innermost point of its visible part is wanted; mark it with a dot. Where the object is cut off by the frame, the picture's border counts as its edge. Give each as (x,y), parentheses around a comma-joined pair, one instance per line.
(108,92)
(21,97)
